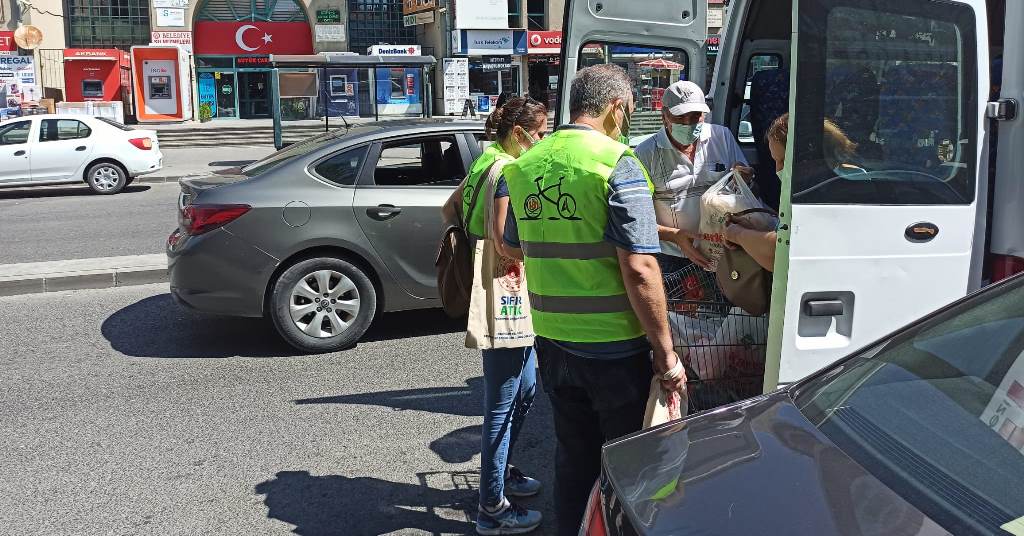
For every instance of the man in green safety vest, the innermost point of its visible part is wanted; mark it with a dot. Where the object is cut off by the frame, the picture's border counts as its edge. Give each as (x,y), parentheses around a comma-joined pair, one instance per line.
(582,214)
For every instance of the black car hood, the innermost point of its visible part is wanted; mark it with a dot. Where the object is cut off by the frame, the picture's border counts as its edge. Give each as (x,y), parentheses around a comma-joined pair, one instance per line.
(757,467)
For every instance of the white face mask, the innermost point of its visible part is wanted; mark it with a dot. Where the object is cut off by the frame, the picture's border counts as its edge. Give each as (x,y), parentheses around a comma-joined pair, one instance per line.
(524,148)
(686,134)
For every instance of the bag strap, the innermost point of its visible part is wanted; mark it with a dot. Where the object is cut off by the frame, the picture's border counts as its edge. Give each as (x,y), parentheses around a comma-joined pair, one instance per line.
(472,205)
(752,211)
(491,182)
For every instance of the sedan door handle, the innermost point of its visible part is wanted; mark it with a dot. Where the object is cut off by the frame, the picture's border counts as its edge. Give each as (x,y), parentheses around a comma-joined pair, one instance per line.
(824,308)
(383,212)
(80,148)
(19,153)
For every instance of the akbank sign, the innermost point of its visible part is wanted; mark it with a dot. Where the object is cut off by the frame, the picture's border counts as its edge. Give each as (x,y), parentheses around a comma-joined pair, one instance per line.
(489,42)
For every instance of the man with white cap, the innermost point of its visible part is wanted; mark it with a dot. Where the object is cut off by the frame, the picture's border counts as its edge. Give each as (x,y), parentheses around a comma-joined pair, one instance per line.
(683,159)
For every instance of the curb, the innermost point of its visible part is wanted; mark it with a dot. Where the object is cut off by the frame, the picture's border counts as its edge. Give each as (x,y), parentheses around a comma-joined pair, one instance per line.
(80,274)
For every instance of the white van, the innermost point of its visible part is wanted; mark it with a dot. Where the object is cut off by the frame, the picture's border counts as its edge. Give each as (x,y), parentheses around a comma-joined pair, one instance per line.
(909,83)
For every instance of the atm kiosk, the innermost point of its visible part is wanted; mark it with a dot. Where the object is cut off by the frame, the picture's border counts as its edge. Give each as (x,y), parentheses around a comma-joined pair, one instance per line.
(98,75)
(162,83)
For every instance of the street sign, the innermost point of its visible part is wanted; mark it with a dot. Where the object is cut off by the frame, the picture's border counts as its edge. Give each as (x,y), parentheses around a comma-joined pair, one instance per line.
(328,16)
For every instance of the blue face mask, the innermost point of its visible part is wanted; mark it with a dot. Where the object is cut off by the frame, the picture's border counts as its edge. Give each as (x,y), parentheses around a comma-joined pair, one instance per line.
(686,134)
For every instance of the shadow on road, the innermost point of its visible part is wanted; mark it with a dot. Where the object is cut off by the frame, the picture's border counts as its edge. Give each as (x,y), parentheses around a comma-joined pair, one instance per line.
(156,327)
(38,192)
(458,446)
(335,504)
(466,401)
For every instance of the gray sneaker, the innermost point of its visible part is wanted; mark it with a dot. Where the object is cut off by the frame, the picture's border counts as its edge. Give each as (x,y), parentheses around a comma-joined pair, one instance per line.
(514,519)
(519,485)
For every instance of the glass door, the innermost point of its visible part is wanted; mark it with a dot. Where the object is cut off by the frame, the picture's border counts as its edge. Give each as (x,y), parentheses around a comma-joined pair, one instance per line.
(254,94)
(225,86)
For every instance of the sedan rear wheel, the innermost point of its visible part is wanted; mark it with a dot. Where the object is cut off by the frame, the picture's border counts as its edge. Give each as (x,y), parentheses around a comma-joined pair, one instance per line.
(323,305)
(106,178)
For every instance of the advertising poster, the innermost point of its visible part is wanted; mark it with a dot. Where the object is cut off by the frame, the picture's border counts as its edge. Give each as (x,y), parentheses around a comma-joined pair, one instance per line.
(208,92)
(456,84)
(18,80)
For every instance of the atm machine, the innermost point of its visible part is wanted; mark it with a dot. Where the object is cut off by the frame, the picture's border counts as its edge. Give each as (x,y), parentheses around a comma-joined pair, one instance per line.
(163,87)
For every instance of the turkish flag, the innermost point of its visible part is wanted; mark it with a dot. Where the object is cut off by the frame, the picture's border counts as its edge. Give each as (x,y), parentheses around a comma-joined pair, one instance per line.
(240,38)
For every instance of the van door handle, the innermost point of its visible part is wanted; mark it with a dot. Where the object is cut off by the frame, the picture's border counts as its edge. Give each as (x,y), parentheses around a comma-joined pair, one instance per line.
(80,148)
(824,308)
(383,212)
(19,153)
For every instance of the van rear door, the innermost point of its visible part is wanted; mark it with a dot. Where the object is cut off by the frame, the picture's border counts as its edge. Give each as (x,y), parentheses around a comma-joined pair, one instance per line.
(884,171)
(656,42)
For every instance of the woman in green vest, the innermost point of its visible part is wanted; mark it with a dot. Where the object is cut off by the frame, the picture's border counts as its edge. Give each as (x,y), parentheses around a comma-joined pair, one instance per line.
(499,319)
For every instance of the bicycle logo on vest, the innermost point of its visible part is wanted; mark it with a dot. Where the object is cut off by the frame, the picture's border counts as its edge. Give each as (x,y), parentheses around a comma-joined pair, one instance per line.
(565,203)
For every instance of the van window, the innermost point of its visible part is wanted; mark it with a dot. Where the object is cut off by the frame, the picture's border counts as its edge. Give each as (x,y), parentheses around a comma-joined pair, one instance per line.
(651,71)
(758,63)
(886,104)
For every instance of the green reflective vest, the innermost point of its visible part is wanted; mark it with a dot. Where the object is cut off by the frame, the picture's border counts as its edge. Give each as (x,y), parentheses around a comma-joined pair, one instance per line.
(492,155)
(559,194)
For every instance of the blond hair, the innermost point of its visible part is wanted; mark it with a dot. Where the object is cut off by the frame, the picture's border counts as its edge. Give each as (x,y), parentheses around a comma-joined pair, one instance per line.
(836,146)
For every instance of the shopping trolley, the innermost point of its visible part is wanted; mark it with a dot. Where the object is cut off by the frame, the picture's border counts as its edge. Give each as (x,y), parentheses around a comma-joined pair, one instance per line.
(722,347)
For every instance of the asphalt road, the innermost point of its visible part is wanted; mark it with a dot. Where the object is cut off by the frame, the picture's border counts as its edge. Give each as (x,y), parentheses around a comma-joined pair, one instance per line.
(122,414)
(70,222)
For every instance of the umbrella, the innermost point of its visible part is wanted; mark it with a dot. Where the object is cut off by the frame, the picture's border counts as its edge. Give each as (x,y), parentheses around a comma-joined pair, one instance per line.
(661,63)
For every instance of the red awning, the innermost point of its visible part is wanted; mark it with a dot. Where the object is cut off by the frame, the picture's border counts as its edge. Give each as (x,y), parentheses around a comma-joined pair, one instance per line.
(661,63)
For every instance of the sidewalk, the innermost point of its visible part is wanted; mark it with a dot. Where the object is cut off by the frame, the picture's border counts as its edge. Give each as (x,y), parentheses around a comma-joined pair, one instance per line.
(200,161)
(55,276)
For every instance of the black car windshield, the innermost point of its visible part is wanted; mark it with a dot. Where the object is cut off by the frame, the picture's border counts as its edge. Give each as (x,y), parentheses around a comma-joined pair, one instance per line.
(937,413)
(304,147)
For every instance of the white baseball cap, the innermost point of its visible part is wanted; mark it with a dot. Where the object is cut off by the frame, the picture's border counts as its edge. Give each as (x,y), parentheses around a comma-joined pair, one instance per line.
(684,97)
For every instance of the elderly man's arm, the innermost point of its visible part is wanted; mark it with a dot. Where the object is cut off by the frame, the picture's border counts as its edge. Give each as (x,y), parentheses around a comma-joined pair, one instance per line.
(633,230)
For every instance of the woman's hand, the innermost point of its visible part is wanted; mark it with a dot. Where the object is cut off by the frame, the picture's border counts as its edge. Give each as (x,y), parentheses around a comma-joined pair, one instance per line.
(746,172)
(685,242)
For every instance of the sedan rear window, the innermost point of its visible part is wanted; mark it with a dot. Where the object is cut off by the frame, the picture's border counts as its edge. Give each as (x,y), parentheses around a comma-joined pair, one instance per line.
(291,152)
(937,413)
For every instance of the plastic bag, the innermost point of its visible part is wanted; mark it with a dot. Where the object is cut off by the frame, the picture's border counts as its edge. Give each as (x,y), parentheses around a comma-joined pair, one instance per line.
(727,196)
(693,337)
(663,406)
(739,346)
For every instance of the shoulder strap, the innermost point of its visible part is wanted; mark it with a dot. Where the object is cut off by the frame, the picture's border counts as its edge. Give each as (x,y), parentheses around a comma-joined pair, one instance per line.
(754,211)
(472,202)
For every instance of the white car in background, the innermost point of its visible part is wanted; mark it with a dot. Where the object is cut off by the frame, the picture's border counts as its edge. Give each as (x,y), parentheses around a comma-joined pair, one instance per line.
(58,149)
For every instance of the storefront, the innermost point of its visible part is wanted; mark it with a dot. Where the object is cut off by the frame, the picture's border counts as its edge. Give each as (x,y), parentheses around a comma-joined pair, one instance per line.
(495,62)
(543,59)
(232,64)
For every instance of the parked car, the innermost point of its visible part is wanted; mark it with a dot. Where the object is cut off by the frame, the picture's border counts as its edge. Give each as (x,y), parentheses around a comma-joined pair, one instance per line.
(323,235)
(919,433)
(57,149)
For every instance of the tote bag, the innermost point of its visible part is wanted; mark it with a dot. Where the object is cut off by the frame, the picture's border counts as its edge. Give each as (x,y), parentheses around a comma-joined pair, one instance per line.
(499,306)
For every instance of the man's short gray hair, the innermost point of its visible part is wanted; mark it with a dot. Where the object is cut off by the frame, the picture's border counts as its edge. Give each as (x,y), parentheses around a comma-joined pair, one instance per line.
(595,87)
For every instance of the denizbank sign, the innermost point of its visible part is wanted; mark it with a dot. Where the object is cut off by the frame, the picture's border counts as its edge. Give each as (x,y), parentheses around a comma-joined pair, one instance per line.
(394,50)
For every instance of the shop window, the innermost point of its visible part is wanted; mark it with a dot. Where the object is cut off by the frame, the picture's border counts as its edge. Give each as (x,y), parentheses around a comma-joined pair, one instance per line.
(427,162)
(536,18)
(343,168)
(62,129)
(107,23)
(15,133)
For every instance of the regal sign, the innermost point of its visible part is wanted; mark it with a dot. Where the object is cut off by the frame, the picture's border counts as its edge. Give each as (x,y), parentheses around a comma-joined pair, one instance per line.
(248,38)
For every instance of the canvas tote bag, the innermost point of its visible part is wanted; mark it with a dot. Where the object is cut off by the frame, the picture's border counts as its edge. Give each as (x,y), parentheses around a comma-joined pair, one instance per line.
(499,306)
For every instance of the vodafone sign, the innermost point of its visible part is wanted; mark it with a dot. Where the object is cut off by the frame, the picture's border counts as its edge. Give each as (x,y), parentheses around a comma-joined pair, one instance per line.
(247,38)
(544,42)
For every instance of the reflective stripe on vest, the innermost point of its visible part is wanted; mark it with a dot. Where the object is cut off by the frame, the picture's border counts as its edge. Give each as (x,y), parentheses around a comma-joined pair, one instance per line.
(553,250)
(580,304)
(493,154)
(559,197)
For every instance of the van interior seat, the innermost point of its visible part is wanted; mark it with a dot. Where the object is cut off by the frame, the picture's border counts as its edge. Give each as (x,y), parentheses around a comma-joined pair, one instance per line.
(851,102)
(769,99)
(917,112)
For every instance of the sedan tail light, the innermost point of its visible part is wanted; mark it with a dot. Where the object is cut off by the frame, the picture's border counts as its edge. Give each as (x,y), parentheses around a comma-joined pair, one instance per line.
(199,219)
(593,517)
(142,143)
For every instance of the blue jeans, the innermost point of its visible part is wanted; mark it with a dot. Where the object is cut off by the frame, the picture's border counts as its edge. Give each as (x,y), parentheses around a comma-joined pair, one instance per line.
(510,385)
